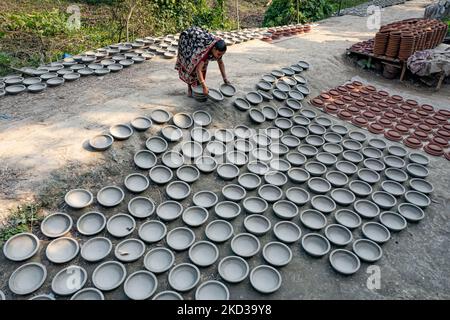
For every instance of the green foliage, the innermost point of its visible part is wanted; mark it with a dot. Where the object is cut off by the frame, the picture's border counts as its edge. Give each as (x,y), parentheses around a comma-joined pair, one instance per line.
(46,23)
(283,12)
(21,220)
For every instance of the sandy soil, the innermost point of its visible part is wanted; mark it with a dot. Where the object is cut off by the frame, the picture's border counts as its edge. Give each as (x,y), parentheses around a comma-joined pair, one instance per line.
(43,144)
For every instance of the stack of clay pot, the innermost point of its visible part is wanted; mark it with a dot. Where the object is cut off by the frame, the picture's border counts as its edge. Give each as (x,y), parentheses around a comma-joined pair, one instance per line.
(365,47)
(285,31)
(399,40)
(397,118)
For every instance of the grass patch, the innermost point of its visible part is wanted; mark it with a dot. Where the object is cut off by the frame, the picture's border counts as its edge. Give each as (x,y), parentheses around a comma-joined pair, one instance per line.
(22,219)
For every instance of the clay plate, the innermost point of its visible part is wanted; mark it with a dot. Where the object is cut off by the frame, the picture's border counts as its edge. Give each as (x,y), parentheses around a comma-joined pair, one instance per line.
(159,260)
(219,231)
(96,249)
(245,245)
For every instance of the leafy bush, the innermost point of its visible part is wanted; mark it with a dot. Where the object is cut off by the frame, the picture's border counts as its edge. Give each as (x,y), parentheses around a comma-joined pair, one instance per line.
(283,12)
(47,23)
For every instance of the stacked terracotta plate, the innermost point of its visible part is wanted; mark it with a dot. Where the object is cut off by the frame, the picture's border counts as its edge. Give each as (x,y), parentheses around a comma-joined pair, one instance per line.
(397,118)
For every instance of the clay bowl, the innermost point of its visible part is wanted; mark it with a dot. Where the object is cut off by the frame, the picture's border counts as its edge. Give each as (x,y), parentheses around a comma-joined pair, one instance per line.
(367,250)
(160,116)
(227,90)
(21,247)
(110,196)
(376,232)
(200,135)
(417,171)
(141,207)
(27,278)
(201,118)
(88,294)
(279,95)
(383,199)
(160,174)
(243,145)
(169,210)
(315,244)
(242,104)
(183,120)
(314,140)
(369,176)
(224,135)
(254,98)
(233,192)
(54,82)
(109,275)
(338,234)
(418,158)
(156,145)
(129,250)
(348,218)
(136,182)
(323,204)
(62,250)
(256,115)
(216,148)
(120,225)
(227,171)
(290,140)
(377,143)
(319,130)
(152,231)
(191,149)
(265,279)
(358,136)
(315,169)
(172,159)
(287,232)
(245,245)
(285,209)
(269,78)
(421,185)
(371,152)
(37,87)
(353,156)
(159,260)
(308,113)
(62,284)
(180,239)
(121,131)
(212,290)
(15,89)
(258,167)
(184,277)
(101,142)
(411,212)
(374,164)
(326,158)
(96,249)
(215,95)
(344,261)
(313,219)
(417,198)
(56,225)
(262,154)
(336,178)
(283,123)
(269,112)
(366,209)
(219,231)
(167,295)
(262,140)
(78,198)
(394,162)
(397,175)
(203,253)
(195,216)
(397,151)
(275,178)
(298,175)
(295,158)
(140,285)
(249,181)
(206,164)
(393,221)
(277,254)
(172,133)
(343,196)
(233,269)
(188,173)
(307,150)
(319,185)
(339,129)
(270,193)
(237,158)
(332,148)
(205,199)
(293,103)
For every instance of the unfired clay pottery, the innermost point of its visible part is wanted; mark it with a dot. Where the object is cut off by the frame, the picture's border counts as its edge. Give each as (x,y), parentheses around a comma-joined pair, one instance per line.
(212,290)
(417,198)
(323,204)
(152,231)
(62,250)
(338,234)
(367,250)
(344,261)
(160,116)
(277,254)
(156,144)
(219,231)
(141,123)
(233,269)
(121,131)
(110,196)
(96,249)
(183,277)
(88,294)
(257,224)
(393,221)
(160,174)
(21,247)
(315,244)
(79,198)
(313,219)
(56,225)
(270,193)
(62,284)
(376,232)
(167,295)
(245,245)
(101,142)
(27,278)
(180,239)
(129,250)
(411,212)
(109,275)
(136,182)
(203,253)
(120,225)
(159,260)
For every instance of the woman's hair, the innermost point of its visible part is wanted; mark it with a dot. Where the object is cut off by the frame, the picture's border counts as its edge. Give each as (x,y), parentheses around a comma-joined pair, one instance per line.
(221,46)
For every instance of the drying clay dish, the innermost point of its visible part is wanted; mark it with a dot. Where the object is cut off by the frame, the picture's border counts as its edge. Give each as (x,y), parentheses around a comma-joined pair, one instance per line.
(319,185)
(120,225)
(245,245)
(275,178)
(156,145)
(417,170)
(110,196)
(178,190)
(152,231)
(227,90)
(62,250)
(367,250)
(344,261)
(160,116)
(79,198)
(418,199)
(227,210)
(159,260)
(169,210)
(233,269)
(376,232)
(212,290)
(21,247)
(136,182)
(315,244)
(366,209)
(201,118)
(216,148)
(348,218)
(188,173)
(233,192)
(346,167)
(384,200)
(141,123)
(242,104)
(121,131)
(421,185)
(63,284)
(27,278)
(184,277)
(297,195)
(285,209)
(249,181)
(277,254)
(269,193)
(343,196)
(338,234)
(56,225)
(160,174)
(167,295)
(109,275)
(96,249)
(411,212)
(90,294)
(374,164)
(203,253)
(256,115)
(141,207)
(418,158)
(295,158)
(101,142)
(258,167)
(206,164)
(315,168)
(313,219)
(191,149)
(172,133)
(237,158)
(257,224)
(287,231)
(180,239)
(195,216)
(395,174)
(227,171)
(336,178)
(200,135)
(140,285)
(265,279)
(323,204)
(393,221)
(219,231)
(360,188)
(129,250)
(183,120)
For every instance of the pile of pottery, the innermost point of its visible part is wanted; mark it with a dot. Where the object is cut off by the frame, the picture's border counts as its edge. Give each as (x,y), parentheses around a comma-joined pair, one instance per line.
(362,10)
(399,119)
(363,47)
(399,40)
(286,31)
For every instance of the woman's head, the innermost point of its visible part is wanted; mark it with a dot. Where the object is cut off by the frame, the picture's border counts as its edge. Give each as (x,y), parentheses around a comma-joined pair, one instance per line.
(219,49)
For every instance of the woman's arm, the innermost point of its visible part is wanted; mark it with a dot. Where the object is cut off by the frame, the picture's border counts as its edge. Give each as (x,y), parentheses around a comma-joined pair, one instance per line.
(222,70)
(200,77)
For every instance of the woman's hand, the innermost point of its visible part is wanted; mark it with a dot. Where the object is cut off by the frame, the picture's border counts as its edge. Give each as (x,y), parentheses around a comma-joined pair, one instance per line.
(205,90)
(226,81)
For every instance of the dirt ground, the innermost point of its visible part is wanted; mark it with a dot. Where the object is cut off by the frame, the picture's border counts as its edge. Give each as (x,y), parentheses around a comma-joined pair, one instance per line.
(43,155)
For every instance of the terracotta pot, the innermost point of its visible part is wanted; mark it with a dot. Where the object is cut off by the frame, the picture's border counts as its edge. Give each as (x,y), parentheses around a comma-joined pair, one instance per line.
(401,128)
(422,113)
(406,107)
(390,115)
(421,135)
(331,108)
(359,121)
(342,89)
(443,134)
(397,98)
(406,122)
(352,109)
(440,141)
(383,105)
(393,135)
(424,127)
(444,113)
(412,103)
(431,122)
(375,128)
(375,110)
(412,142)
(347,99)
(439,118)
(370,116)
(427,107)
(319,103)
(434,149)
(357,84)
(413,117)
(355,95)
(334,93)
(345,115)
(398,112)
(383,93)
(384,122)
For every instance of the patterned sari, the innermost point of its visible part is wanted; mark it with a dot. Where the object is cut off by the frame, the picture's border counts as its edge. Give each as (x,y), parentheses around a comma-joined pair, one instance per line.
(194,46)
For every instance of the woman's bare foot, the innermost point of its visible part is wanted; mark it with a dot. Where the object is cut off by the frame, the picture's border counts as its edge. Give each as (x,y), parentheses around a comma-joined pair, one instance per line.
(189,92)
